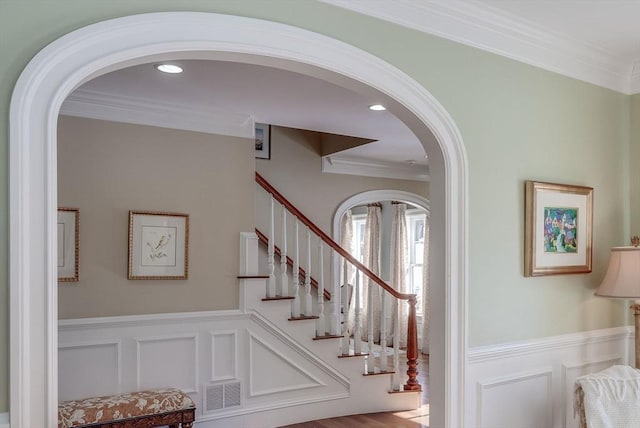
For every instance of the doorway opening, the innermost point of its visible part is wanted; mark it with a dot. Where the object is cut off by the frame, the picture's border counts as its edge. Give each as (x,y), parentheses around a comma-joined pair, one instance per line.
(87,53)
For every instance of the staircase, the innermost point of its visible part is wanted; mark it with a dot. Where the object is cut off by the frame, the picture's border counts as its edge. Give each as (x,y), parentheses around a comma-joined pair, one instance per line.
(301,294)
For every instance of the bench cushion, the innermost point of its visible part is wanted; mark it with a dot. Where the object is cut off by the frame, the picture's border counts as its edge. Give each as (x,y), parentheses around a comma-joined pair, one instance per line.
(117,407)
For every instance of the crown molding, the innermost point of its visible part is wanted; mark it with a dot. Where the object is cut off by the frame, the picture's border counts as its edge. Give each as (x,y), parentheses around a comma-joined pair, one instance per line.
(140,111)
(368,168)
(481,26)
(635,78)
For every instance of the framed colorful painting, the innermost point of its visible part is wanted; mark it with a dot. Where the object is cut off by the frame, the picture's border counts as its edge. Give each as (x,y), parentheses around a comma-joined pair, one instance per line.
(158,245)
(558,228)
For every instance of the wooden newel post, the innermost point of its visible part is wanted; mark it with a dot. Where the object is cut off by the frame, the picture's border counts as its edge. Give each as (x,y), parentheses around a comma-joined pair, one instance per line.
(412,349)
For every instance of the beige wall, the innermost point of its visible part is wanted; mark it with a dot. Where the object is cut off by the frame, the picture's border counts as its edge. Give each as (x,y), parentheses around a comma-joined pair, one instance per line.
(295,170)
(107,169)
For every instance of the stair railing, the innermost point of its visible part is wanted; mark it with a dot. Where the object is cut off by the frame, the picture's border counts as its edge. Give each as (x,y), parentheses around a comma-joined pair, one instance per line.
(328,317)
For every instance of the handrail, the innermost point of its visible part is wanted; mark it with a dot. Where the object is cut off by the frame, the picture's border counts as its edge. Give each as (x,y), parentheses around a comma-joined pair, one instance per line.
(314,282)
(412,333)
(330,242)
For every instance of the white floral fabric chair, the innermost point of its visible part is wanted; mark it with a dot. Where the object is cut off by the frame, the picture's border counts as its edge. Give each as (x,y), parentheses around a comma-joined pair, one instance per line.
(151,408)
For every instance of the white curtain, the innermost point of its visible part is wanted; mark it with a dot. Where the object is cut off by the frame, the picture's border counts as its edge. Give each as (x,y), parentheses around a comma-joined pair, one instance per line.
(371,259)
(399,265)
(425,289)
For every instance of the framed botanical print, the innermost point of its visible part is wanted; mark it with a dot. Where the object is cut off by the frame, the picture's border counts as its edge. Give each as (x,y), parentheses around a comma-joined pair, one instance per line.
(158,245)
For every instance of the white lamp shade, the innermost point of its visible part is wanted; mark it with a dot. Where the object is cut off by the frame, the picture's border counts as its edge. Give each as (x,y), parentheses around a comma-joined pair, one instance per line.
(623,275)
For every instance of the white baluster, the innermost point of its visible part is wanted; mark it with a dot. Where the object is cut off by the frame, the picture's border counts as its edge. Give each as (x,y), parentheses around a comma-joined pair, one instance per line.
(271,286)
(308,310)
(396,347)
(345,313)
(284,277)
(295,303)
(321,322)
(370,325)
(334,323)
(383,333)
(357,340)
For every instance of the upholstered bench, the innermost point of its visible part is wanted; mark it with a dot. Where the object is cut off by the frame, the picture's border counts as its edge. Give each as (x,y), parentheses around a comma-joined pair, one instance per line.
(154,408)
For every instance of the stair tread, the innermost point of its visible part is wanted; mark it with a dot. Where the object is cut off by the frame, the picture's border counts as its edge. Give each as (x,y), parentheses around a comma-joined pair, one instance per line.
(353,354)
(328,336)
(303,317)
(267,299)
(377,371)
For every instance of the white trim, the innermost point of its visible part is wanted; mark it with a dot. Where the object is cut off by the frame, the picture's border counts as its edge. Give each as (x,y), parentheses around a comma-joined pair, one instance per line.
(483,386)
(255,393)
(106,46)
(4,420)
(234,335)
(490,29)
(369,168)
(372,196)
(97,343)
(191,389)
(121,108)
(518,349)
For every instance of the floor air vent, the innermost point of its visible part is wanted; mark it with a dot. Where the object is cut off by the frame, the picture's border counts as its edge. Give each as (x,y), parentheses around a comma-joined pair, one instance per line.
(222,396)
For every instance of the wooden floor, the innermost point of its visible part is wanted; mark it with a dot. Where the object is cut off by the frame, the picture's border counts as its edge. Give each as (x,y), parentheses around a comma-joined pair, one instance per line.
(418,418)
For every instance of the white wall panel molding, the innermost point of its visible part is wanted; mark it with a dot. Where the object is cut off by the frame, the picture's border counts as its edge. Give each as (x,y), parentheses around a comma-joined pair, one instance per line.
(281,374)
(224,355)
(530,373)
(524,400)
(167,360)
(368,168)
(492,30)
(303,352)
(100,365)
(176,318)
(506,350)
(571,371)
(140,111)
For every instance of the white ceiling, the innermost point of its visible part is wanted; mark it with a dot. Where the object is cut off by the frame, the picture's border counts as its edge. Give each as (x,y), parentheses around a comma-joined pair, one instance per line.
(593,40)
(269,95)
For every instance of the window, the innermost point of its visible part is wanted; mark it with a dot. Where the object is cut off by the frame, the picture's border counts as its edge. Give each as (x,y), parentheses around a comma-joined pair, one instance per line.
(416,221)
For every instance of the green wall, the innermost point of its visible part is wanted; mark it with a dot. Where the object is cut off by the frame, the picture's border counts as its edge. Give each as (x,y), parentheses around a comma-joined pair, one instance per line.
(517,122)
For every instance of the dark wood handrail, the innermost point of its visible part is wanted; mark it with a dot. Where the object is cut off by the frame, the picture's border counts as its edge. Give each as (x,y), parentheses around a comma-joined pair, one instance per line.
(330,242)
(265,240)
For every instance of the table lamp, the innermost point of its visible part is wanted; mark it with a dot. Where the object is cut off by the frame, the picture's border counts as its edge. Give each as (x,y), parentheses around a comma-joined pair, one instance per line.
(622,281)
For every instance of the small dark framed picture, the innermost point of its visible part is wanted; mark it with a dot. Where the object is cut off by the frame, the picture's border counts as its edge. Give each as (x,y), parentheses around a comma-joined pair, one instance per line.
(263,141)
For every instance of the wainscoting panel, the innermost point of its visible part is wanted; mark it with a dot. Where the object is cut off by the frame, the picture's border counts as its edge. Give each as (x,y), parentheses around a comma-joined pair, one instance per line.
(94,368)
(570,372)
(224,352)
(524,400)
(530,384)
(168,360)
(254,367)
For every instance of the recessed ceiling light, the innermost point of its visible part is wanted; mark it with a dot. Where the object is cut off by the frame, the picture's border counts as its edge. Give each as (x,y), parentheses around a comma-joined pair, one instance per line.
(377,107)
(169,68)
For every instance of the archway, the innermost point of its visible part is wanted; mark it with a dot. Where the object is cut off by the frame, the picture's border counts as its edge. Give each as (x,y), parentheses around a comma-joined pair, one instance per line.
(99,48)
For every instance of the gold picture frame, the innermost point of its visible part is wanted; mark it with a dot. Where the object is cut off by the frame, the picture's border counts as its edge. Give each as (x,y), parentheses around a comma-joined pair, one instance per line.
(68,245)
(158,245)
(558,229)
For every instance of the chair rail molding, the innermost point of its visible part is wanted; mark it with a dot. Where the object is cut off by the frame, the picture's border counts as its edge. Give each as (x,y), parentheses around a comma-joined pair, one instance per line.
(88,52)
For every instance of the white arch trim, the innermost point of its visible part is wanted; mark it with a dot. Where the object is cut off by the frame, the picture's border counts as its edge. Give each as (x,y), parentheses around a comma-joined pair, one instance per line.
(99,48)
(372,196)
